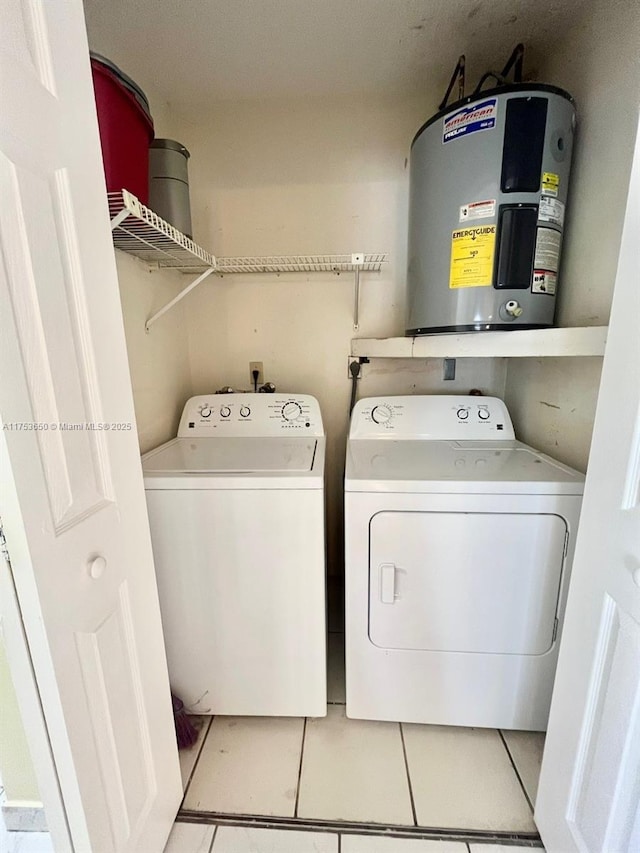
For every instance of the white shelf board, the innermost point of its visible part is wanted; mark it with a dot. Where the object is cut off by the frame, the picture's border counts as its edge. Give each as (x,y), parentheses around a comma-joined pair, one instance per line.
(525,343)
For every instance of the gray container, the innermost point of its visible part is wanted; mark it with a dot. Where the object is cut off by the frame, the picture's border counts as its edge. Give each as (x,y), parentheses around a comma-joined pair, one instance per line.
(488,188)
(169,183)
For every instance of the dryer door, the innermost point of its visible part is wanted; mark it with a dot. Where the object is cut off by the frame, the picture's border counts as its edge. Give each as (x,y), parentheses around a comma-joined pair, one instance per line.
(465,582)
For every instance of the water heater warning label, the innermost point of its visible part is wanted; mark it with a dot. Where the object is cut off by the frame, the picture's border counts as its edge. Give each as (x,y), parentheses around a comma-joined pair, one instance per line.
(544,281)
(547,253)
(478,210)
(550,183)
(472,257)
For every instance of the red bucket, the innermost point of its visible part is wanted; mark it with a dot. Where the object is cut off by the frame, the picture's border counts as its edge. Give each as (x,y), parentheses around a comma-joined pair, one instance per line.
(126,128)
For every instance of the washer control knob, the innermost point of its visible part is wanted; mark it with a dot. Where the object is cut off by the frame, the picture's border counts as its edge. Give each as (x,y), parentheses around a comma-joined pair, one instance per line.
(245,411)
(225,411)
(483,414)
(205,412)
(381,414)
(462,414)
(291,410)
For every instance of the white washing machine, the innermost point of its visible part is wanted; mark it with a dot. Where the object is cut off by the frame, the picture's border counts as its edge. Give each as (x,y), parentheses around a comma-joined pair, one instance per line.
(236,507)
(459,541)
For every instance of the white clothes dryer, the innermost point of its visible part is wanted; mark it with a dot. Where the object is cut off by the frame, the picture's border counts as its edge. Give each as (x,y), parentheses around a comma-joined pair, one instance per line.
(236,508)
(459,542)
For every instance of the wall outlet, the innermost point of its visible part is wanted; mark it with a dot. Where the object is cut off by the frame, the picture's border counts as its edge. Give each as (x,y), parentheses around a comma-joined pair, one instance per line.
(256,365)
(362,364)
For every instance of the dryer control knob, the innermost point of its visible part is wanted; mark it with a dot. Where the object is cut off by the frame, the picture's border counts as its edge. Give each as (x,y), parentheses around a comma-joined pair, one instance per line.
(245,411)
(205,412)
(225,411)
(484,414)
(381,414)
(462,414)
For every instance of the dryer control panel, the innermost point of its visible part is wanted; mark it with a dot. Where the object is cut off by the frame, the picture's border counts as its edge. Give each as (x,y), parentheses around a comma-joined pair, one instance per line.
(250,415)
(434,417)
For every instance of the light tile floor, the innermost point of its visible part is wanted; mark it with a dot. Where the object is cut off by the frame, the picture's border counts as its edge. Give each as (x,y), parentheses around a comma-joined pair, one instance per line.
(354,770)
(248,765)
(22,842)
(188,757)
(25,842)
(199,838)
(463,778)
(335,769)
(525,749)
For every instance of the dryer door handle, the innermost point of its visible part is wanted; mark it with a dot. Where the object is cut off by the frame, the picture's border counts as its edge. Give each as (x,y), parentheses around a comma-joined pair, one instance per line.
(387,583)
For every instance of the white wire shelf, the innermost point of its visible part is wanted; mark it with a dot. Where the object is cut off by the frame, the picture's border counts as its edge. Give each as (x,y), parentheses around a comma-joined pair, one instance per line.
(302,263)
(139,231)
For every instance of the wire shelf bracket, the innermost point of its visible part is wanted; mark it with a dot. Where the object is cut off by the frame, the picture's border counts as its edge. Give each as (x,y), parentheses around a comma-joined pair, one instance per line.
(152,319)
(137,230)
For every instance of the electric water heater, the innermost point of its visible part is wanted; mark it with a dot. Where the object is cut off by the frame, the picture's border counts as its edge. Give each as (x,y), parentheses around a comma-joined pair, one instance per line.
(488,189)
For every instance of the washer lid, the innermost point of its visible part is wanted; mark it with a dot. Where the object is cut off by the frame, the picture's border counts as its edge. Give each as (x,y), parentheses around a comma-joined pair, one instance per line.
(227,455)
(455,466)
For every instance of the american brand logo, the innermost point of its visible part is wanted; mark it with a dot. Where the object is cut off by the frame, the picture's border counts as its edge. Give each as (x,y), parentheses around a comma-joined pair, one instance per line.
(470,120)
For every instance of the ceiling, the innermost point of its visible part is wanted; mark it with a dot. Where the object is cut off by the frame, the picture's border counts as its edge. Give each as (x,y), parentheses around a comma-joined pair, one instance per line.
(194,52)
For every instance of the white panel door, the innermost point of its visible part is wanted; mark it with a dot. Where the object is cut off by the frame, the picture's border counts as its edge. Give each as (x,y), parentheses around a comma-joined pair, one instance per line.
(72,497)
(589,794)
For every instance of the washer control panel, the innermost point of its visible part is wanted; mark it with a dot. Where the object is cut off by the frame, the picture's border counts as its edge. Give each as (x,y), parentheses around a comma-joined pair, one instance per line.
(435,417)
(250,415)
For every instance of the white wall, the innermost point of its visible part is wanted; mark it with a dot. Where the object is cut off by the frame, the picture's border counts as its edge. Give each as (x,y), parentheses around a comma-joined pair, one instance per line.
(553,400)
(307,177)
(158,360)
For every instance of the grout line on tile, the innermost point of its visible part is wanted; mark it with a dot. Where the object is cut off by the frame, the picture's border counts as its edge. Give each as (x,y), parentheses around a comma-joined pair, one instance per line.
(406,766)
(515,770)
(213,837)
(304,734)
(195,763)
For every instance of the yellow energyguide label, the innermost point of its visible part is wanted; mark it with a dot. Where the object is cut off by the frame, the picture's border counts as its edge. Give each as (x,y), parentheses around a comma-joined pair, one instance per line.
(472,257)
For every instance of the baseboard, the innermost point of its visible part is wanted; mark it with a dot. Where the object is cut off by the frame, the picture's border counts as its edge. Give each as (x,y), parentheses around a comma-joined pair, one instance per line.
(24,816)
